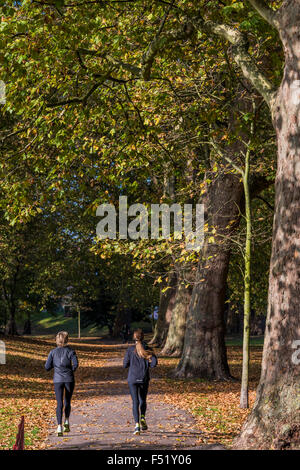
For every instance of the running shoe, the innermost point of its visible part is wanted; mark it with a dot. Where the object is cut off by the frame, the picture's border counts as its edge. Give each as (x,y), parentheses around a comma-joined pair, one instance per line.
(59,430)
(137,430)
(66,427)
(144,426)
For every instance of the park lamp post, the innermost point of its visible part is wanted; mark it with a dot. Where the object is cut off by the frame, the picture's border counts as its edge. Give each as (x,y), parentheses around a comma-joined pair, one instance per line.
(2,353)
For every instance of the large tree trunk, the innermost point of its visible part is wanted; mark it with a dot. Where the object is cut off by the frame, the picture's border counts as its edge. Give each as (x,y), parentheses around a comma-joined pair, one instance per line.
(166,306)
(175,339)
(204,353)
(275,419)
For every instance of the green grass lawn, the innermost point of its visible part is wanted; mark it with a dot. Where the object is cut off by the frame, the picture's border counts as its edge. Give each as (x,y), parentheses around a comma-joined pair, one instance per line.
(44,323)
(238,341)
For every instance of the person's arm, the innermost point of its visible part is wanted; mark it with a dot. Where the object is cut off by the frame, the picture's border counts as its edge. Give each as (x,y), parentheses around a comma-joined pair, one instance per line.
(74,361)
(153,361)
(153,358)
(126,362)
(49,362)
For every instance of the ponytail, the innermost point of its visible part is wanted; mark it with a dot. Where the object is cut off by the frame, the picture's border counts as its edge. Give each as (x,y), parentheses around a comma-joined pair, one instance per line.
(138,337)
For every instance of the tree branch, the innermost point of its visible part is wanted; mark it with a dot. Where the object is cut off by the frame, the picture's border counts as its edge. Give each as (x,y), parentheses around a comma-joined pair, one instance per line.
(229,160)
(133,69)
(266,202)
(75,100)
(130,68)
(242,57)
(149,55)
(239,51)
(265,12)
(159,42)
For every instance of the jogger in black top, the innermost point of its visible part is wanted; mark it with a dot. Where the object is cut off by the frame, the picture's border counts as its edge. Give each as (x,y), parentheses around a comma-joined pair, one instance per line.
(64,362)
(139,358)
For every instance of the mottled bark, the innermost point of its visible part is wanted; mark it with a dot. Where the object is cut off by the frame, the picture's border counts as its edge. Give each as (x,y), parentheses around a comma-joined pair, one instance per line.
(166,305)
(275,419)
(175,338)
(204,353)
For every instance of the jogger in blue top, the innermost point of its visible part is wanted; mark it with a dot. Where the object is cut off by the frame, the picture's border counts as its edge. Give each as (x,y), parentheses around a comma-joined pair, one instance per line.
(139,358)
(64,362)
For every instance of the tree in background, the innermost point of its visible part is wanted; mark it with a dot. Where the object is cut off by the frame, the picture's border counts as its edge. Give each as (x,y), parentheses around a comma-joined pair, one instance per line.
(113,51)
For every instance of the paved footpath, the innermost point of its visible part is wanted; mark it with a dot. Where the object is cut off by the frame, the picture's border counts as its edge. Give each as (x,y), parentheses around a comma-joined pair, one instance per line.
(109,425)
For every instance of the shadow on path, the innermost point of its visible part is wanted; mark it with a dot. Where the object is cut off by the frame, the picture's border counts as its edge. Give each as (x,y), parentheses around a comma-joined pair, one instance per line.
(108,424)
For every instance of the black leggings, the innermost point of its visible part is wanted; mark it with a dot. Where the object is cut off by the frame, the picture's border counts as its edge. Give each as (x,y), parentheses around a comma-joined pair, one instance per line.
(139,396)
(60,388)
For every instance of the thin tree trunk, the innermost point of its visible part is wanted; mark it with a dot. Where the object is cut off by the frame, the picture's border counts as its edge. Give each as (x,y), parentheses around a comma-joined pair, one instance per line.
(244,398)
(12,325)
(275,419)
(79,323)
(204,353)
(27,326)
